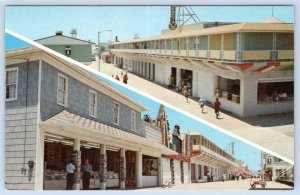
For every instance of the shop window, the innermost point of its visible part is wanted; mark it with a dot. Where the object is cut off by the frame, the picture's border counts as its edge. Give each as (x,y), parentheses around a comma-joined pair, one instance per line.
(150,166)
(275,92)
(11,83)
(62,90)
(93,103)
(228,89)
(116,113)
(68,50)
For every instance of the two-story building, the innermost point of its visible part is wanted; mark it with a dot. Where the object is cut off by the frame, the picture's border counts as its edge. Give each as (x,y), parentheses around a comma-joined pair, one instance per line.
(56,111)
(250,66)
(77,49)
(277,169)
(210,160)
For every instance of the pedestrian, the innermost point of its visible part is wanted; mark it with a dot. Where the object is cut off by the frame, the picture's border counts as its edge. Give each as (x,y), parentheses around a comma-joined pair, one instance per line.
(217,105)
(202,101)
(70,175)
(238,177)
(211,177)
(125,79)
(186,94)
(117,77)
(223,177)
(86,169)
(208,176)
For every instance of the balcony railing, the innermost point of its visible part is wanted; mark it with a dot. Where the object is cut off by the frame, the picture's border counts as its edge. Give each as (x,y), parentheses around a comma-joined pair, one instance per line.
(285,54)
(216,54)
(256,55)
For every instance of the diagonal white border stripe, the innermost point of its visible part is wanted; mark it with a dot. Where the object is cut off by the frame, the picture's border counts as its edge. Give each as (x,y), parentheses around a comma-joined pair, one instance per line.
(148,96)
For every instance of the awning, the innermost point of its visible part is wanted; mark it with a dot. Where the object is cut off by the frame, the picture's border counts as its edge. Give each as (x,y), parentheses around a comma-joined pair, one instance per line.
(72,124)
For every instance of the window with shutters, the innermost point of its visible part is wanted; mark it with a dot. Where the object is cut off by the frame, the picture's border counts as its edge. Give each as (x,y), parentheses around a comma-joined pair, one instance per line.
(11,83)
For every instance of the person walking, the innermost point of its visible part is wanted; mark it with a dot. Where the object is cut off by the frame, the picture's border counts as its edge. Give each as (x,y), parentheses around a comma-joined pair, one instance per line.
(117,77)
(70,175)
(186,94)
(224,177)
(125,79)
(87,169)
(211,176)
(217,105)
(202,102)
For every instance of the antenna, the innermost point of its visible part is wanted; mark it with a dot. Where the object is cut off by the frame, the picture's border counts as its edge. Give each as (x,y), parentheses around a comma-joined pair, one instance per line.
(185,13)
(73,32)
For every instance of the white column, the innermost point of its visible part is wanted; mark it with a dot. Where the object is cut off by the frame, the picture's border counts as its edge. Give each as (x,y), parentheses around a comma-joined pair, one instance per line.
(76,150)
(123,178)
(195,83)
(151,72)
(145,70)
(103,166)
(39,169)
(139,169)
(196,172)
(160,171)
(202,172)
(178,79)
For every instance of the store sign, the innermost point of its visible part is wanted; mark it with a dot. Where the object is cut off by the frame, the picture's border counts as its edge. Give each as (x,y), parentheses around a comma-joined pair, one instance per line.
(173,25)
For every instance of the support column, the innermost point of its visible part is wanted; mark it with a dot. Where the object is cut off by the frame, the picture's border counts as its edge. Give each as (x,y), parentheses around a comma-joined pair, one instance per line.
(145,70)
(139,169)
(178,78)
(196,172)
(77,161)
(39,170)
(238,56)
(103,166)
(222,46)
(202,172)
(122,168)
(208,46)
(195,83)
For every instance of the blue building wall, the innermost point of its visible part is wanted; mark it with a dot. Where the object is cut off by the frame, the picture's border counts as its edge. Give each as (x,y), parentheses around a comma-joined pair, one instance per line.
(78,101)
(32,87)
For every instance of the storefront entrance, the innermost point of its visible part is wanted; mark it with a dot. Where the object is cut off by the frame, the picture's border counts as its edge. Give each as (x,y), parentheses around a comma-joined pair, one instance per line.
(186,79)
(130,181)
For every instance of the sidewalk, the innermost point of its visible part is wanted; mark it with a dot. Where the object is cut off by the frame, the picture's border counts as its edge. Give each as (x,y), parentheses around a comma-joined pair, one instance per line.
(227,185)
(277,134)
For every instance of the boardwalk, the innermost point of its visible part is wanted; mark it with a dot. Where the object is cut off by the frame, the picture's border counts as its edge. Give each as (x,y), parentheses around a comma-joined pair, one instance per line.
(266,131)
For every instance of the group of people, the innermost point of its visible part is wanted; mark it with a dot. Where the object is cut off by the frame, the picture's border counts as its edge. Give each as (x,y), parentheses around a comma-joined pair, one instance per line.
(216,104)
(123,76)
(86,169)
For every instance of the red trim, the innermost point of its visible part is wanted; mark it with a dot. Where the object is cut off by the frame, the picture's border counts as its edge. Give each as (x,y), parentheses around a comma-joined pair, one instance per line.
(180,157)
(269,64)
(242,66)
(211,61)
(196,153)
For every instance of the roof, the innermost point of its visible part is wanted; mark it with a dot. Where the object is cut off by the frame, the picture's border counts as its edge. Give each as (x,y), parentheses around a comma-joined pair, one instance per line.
(65,118)
(105,88)
(273,20)
(240,27)
(62,40)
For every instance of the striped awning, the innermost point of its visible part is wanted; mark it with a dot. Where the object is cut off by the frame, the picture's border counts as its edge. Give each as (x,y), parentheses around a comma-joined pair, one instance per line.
(65,119)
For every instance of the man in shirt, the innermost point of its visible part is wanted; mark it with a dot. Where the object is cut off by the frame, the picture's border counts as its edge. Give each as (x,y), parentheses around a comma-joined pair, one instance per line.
(70,175)
(87,169)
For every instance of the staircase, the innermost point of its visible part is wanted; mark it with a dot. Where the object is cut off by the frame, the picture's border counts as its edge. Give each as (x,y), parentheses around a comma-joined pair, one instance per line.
(286,176)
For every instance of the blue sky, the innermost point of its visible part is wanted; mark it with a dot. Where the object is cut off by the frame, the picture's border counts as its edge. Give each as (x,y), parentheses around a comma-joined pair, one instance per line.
(35,22)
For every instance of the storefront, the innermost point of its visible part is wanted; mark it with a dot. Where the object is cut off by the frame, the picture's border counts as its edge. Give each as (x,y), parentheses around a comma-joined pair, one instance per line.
(119,159)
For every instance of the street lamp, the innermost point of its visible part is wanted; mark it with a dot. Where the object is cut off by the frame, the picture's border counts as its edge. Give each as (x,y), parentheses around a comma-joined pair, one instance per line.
(99,48)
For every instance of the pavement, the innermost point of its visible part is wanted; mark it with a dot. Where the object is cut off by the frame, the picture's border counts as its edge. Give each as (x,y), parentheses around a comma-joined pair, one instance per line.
(227,185)
(272,132)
